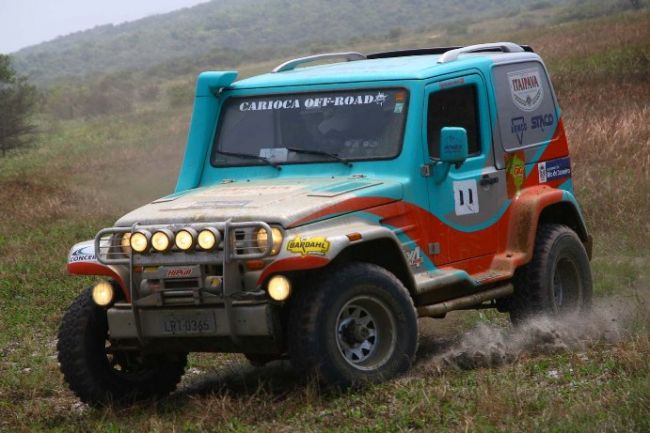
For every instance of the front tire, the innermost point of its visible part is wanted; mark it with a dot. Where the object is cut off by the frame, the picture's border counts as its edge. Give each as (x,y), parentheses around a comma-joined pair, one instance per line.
(357,326)
(557,280)
(99,375)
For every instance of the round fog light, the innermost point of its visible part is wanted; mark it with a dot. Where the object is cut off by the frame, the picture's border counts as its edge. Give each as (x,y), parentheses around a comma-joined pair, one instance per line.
(185,239)
(162,240)
(102,293)
(279,288)
(139,241)
(208,238)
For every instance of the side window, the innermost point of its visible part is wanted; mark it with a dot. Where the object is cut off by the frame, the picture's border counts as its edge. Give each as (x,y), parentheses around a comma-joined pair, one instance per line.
(453,107)
(526,109)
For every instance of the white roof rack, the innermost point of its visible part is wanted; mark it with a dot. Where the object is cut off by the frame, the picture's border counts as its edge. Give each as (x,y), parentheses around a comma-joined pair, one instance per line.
(292,64)
(504,47)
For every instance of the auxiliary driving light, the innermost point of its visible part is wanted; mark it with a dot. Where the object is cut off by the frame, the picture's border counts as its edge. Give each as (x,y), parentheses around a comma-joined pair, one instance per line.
(279,288)
(262,238)
(140,241)
(185,239)
(208,238)
(125,243)
(102,293)
(162,240)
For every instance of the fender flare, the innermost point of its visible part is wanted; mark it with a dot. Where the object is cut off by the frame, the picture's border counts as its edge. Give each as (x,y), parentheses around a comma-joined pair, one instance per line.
(83,261)
(541,204)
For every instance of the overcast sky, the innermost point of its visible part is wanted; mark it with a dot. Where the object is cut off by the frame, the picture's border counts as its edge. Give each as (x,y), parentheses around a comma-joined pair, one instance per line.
(28,22)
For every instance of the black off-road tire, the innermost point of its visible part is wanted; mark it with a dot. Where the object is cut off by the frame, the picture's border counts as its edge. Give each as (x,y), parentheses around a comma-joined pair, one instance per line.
(557,280)
(88,370)
(324,338)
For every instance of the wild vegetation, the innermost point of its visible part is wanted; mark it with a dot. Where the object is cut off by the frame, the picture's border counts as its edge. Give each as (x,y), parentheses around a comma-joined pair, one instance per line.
(17,101)
(474,373)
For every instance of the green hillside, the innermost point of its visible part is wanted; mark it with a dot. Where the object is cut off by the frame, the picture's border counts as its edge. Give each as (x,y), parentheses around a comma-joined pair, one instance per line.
(229,32)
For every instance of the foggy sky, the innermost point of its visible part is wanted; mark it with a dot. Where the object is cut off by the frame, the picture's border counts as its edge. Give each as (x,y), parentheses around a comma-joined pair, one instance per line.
(28,22)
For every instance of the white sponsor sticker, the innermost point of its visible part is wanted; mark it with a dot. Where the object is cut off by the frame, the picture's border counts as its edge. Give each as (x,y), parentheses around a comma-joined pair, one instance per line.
(275,153)
(466,197)
(526,88)
(541,169)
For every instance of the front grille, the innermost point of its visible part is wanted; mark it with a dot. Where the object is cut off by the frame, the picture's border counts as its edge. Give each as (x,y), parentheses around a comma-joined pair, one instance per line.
(191,283)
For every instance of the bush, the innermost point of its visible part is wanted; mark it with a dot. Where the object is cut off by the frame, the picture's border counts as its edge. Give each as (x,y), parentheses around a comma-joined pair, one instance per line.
(17,103)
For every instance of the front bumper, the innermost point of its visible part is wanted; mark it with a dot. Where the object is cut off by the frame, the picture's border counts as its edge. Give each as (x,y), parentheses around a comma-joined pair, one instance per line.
(230,310)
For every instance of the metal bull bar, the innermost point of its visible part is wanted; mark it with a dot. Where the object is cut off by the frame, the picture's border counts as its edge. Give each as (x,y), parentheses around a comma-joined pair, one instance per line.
(109,252)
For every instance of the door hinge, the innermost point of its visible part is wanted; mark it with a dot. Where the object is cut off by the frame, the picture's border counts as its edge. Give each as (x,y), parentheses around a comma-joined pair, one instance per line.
(425,170)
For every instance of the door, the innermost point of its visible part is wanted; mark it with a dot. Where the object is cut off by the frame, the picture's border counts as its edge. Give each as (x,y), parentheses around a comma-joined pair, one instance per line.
(470,198)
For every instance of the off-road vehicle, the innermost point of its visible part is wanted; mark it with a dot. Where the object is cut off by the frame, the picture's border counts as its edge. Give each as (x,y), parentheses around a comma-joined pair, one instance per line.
(321,209)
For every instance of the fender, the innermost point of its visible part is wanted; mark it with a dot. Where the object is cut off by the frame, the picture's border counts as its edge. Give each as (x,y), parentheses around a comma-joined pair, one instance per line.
(83,261)
(341,234)
(524,218)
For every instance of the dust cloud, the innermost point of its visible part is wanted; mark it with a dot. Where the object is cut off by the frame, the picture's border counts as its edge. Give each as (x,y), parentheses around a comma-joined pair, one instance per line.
(488,345)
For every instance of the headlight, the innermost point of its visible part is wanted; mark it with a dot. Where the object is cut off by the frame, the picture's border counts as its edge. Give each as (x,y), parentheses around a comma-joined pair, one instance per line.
(262,238)
(208,238)
(125,243)
(185,239)
(162,240)
(140,241)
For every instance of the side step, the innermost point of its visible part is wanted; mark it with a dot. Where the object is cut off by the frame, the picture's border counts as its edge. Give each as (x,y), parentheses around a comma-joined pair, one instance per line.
(442,308)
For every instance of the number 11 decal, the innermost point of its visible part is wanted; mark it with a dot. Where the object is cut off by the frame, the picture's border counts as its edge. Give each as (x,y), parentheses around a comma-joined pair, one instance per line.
(466,197)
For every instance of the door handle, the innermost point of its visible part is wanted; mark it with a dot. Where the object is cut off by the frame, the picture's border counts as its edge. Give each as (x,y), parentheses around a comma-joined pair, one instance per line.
(486,180)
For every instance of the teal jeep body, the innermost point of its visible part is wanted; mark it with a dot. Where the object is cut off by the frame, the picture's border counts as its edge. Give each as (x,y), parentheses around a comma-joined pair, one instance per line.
(321,209)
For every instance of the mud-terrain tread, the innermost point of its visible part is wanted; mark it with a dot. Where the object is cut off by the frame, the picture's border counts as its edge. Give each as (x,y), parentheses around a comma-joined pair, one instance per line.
(80,367)
(529,299)
(304,345)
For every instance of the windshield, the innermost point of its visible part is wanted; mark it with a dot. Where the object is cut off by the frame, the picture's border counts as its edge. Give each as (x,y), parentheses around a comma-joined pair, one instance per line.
(311,127)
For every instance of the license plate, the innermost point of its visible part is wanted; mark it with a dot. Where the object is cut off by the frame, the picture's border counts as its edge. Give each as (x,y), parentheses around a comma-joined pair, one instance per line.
(186,323)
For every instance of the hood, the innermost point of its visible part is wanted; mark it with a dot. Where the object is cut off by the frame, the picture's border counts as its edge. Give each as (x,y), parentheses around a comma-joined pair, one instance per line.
(288,202)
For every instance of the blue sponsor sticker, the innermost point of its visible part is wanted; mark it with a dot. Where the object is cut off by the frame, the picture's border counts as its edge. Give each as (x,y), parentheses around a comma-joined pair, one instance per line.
(554,169)
(518,127)
(542,121)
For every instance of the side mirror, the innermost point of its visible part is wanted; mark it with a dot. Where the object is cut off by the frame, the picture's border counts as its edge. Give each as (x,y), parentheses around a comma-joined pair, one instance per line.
(453,145)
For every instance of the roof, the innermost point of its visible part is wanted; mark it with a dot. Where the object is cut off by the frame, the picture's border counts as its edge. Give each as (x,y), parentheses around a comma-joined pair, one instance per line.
(416,67)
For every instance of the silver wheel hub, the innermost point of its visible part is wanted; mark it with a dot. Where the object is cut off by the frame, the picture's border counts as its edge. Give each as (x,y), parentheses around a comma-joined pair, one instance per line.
(365,333)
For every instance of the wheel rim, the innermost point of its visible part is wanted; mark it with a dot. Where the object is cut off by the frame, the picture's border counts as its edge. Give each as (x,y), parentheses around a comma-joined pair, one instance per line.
(566,285)
(365,333)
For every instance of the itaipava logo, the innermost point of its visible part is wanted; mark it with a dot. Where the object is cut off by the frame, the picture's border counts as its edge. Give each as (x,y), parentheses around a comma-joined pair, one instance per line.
(526,88)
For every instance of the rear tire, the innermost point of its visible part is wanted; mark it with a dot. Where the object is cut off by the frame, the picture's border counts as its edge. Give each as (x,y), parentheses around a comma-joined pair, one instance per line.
(557,280)
(98,375)
(358,325)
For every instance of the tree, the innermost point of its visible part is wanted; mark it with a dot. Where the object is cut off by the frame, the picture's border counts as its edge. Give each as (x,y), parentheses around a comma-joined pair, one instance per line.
(17,103)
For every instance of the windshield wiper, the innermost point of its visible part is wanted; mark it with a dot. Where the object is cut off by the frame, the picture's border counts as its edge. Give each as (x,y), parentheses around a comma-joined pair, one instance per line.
(251,156)
(322,153)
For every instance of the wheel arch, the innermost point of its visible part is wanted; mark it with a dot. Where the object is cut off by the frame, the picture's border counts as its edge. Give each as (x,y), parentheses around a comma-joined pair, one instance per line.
(391,258)
(566,213)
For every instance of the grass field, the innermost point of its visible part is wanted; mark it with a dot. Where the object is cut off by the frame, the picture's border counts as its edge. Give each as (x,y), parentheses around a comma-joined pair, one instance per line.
(474,373)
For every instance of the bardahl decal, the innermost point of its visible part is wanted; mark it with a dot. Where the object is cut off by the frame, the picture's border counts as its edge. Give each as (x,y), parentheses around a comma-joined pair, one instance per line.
(526,88)
(314,102)
(518,127)
(83,254)
(515,172)
(309,246)
(555,169)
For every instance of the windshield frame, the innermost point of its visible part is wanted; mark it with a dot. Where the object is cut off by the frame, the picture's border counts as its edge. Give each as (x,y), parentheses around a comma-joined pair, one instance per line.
(252,163)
